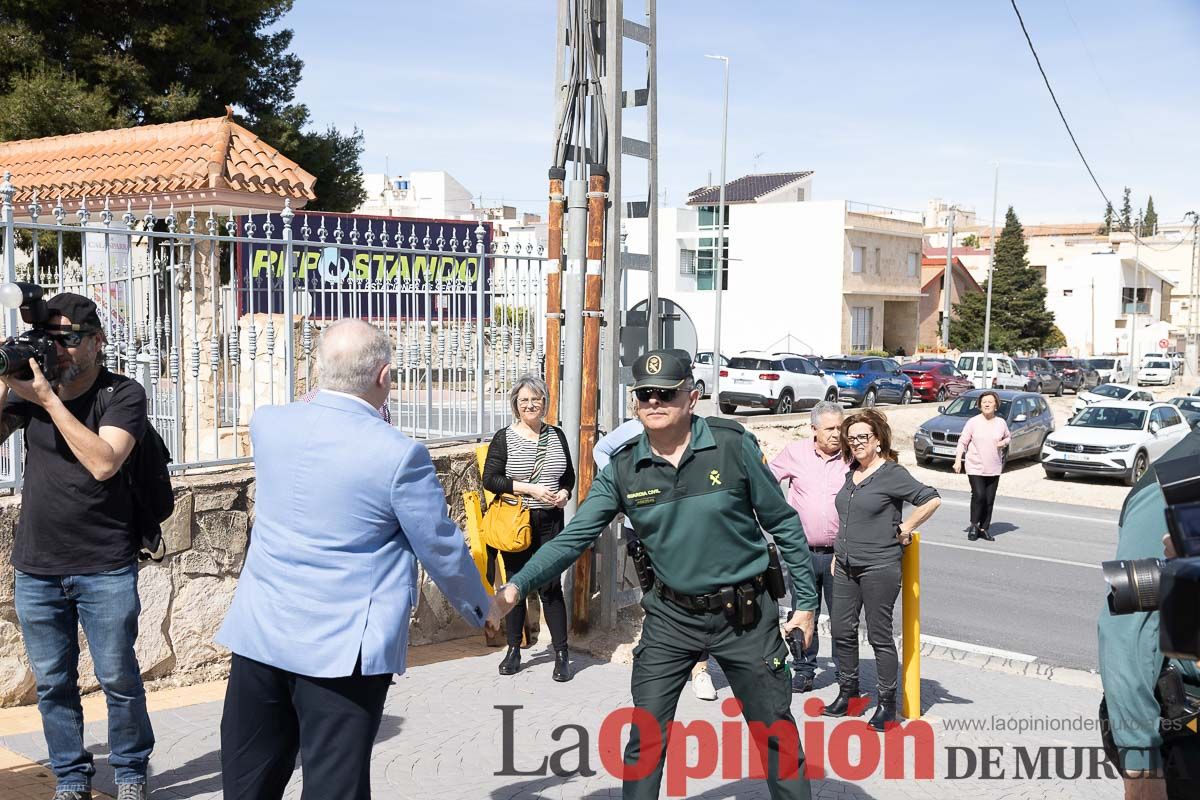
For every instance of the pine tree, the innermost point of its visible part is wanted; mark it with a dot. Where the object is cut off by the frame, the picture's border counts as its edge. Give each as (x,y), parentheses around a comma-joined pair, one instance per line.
(1109,216)
(1020,320)
(1150,221)
(1126,213)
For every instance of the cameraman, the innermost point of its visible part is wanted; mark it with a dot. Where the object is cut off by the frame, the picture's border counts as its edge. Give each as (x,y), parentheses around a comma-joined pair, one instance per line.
(75,550)
(1130,661)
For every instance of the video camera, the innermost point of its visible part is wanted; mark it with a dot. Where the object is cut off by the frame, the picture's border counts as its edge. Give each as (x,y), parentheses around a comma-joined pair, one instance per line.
(1171,587)
(34,343)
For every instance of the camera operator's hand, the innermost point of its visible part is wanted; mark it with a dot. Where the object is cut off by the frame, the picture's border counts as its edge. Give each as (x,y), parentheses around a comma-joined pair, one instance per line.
(1168,546)
(36,390)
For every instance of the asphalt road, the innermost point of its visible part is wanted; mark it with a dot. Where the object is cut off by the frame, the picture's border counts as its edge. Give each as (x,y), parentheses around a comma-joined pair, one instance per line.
(1036,591)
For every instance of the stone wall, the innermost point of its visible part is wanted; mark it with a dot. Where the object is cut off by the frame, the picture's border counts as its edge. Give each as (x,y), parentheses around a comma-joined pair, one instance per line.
(185,597)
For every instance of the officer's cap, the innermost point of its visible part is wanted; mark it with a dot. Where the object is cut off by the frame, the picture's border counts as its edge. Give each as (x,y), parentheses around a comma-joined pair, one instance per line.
(662,369)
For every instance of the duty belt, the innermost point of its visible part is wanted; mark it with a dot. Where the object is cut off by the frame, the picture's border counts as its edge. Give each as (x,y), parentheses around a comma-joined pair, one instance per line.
(724,599)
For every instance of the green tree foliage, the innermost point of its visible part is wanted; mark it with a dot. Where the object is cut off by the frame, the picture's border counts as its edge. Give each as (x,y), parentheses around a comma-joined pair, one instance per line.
(971,241)
(1109,217)
(1150,219)
(68,67)
(1126,213)
(1020,320)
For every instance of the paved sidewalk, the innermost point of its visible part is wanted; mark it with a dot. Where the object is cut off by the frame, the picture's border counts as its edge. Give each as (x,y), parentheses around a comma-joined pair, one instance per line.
(442,736)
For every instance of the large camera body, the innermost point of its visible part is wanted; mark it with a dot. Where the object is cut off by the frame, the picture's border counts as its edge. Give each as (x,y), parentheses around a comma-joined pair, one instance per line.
(1171,587)
(34,343)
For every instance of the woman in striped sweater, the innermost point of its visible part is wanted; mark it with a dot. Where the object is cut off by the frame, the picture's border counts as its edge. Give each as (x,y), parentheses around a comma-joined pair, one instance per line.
(530,458)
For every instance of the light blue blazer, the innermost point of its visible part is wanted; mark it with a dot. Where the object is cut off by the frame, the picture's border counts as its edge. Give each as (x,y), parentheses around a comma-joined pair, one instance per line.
(345,507)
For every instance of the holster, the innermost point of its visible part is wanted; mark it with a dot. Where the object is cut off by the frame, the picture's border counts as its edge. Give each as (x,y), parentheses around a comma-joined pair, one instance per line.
(775,583)
(746,605)
(641,564)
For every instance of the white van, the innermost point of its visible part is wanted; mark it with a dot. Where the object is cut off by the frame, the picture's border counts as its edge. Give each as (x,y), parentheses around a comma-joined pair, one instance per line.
(997,372)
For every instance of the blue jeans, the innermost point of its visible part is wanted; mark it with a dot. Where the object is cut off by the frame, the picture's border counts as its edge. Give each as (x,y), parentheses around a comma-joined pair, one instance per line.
(823,583)
(50,609)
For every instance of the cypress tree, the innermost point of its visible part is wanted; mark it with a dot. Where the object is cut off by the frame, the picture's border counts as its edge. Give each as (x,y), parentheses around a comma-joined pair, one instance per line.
(1150,221)
(1126,213)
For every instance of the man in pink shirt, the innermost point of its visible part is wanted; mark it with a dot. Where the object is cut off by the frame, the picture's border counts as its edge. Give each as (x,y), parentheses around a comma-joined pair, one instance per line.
(816,471)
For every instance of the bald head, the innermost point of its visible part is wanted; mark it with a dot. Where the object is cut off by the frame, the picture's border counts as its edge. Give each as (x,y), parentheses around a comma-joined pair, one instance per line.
(351,355)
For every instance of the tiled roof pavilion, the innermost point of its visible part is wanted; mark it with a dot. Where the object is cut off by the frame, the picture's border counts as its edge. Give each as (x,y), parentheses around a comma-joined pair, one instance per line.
(204,163)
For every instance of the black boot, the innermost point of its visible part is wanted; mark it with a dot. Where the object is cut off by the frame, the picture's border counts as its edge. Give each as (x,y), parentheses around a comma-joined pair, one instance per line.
(511,662)
(841,706)
(885,711)
(562,666)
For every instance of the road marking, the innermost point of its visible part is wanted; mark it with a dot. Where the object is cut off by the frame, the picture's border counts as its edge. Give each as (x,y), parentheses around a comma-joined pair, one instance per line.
(977,648)
(989,551)
(1010,510)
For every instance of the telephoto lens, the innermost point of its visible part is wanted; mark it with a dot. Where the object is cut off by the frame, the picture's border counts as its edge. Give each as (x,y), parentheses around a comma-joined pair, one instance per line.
(1133,585)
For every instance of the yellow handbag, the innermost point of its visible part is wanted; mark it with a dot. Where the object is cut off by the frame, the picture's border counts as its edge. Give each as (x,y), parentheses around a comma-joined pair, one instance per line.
(506,524)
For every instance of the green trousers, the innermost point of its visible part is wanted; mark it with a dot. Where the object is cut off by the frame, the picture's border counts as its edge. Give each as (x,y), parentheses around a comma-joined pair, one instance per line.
(753,658)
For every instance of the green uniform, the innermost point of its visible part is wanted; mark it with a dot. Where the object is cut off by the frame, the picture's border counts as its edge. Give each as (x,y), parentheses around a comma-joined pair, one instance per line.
(700,524)
(1130,658)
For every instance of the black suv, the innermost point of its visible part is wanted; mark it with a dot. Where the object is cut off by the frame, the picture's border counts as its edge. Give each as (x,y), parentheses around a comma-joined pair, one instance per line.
(1077,374)
(1040,376)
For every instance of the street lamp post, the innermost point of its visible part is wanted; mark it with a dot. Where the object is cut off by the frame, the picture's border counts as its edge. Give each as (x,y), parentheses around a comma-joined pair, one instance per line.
(718,271)
(987,314)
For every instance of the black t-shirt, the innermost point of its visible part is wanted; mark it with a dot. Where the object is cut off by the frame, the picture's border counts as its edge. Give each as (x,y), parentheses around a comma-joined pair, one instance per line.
(71,523)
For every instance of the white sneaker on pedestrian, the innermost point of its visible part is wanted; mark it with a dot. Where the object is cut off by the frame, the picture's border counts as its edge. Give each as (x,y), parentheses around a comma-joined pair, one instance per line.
(702,685)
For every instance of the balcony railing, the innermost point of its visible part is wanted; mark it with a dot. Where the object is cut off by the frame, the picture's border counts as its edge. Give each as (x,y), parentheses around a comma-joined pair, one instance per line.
(1139,308)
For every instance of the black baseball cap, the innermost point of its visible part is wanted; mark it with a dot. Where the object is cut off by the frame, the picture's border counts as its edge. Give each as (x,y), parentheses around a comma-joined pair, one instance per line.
(662,369)
(80,310)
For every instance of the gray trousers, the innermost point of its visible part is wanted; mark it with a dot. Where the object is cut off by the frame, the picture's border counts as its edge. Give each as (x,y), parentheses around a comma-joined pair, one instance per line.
(875,588)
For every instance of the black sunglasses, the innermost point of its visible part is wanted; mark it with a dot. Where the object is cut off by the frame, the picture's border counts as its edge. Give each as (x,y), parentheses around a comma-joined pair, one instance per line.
(68,338)
(664,395)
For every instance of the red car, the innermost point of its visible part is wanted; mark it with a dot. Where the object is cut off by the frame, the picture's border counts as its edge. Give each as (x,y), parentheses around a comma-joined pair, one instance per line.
(936,380)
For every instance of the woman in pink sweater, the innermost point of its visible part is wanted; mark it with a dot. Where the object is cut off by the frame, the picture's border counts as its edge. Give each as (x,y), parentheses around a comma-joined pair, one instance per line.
(983,440)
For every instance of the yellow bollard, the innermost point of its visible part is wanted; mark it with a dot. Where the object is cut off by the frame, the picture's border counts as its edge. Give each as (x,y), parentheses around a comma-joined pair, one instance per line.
(910,590)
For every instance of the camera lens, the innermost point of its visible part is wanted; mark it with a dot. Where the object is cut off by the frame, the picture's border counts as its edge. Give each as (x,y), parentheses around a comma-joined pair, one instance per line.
(1133,585)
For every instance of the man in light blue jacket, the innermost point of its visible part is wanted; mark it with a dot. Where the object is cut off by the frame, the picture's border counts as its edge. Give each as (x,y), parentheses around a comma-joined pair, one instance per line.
(346,505)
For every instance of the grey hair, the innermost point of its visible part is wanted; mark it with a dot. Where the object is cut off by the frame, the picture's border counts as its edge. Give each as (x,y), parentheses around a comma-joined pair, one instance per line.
(350,354)
(825,407)
(534,384)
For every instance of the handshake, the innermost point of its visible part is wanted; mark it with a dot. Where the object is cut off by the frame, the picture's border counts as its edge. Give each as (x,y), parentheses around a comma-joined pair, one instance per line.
(507,597)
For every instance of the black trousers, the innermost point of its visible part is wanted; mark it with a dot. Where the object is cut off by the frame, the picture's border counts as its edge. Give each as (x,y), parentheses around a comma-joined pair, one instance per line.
(546,524)
(271,714)
(983,497)
(874,587)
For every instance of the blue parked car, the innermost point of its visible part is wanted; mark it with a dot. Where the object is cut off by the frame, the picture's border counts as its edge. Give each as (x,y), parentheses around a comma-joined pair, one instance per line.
(867,380)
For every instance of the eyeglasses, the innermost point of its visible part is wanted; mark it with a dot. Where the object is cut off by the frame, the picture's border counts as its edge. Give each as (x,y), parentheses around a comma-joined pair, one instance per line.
(531,403)
(862,438)
(68,338)
(663,395)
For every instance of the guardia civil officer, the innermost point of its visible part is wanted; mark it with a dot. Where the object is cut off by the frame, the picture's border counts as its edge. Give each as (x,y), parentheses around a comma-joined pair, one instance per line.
(697,491)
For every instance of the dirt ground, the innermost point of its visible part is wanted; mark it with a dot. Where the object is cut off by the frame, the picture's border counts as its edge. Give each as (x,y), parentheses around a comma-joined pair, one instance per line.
(1022,479)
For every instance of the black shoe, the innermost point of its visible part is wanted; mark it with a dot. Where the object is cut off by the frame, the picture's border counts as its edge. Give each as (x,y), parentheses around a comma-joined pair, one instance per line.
(511,662)
(972,534)
(885,711)
(562,666)
(841,706)
(987,537)
(802,683)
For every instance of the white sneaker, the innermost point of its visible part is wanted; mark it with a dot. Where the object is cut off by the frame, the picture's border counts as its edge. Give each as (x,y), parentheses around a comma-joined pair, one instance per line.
(702,685)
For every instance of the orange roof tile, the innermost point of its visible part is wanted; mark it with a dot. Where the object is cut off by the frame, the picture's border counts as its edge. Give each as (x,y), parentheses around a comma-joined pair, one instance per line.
(202,154)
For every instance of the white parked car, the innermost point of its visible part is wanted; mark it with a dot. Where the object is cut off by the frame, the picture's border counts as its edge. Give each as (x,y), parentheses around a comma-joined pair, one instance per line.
(1113,438)
(1111,369)
(1159,371)
(782,383)
(997,372)
(702,370)
(1111,391)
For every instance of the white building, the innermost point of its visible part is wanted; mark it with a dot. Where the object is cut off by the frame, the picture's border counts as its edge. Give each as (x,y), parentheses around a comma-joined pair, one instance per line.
(824,277)
(1093,298)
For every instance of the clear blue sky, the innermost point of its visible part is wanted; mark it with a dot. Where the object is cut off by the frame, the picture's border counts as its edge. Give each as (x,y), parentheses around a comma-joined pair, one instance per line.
(891,103)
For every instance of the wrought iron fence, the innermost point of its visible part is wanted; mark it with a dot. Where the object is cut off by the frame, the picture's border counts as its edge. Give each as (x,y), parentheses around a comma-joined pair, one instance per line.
(217,314)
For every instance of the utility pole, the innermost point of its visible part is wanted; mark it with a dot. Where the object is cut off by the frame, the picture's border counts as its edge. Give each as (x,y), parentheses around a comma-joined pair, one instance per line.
(1193,336)
(946,278)
(1137,280)
(987,314)
(719,253)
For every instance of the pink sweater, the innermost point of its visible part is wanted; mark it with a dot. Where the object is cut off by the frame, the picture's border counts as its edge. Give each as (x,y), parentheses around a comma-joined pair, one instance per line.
(981,441)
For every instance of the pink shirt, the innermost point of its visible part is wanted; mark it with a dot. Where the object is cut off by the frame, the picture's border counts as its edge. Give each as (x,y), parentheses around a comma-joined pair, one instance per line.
(816,479)
(981,441)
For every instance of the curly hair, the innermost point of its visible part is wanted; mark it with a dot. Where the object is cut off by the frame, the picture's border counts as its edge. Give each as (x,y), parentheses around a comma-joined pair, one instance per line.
(879,426)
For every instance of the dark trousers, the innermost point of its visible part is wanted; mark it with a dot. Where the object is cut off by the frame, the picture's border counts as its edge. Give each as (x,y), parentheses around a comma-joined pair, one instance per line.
(874,587)
(271,714)
(823,582)
(546,524)
(753,658)
(983,497)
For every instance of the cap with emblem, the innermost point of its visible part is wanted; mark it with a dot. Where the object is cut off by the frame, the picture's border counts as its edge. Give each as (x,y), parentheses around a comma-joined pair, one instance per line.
(77,308)
(663,369)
